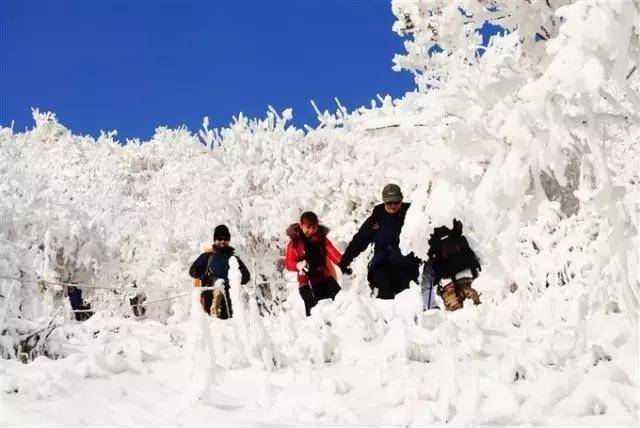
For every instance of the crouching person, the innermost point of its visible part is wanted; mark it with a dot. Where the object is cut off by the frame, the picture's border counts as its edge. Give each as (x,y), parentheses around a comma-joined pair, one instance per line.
(455,266)
(137,300)
(82,310)
(211,269)
(311,254)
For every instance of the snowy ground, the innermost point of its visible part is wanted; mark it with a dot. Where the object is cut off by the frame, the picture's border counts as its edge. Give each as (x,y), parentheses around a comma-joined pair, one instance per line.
(513,360)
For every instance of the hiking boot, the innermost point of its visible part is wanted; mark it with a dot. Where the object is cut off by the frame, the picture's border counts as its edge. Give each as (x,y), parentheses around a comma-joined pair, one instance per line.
(451,299)
(456,292)
(467,291)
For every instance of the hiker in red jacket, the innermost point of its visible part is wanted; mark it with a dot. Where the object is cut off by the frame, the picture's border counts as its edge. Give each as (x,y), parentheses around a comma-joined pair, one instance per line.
(312,255)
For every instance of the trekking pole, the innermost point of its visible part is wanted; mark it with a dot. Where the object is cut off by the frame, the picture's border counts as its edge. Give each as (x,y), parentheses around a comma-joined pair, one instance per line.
(226,304)
(430,288)
(312,293)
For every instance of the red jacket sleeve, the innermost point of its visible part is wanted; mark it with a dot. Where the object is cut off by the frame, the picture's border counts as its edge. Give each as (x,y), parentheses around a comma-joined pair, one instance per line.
(291,257)
(332,253)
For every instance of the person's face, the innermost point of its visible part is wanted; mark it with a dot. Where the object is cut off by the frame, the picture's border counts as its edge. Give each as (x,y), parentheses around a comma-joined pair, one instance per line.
(308,229)
(221,243)
(392,207)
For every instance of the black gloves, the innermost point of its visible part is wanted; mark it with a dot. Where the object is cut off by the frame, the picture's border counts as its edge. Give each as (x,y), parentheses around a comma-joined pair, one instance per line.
(346,270)
(303,267)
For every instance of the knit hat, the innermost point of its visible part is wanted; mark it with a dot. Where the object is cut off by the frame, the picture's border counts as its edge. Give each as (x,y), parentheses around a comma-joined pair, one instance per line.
(391,193)
(221,233)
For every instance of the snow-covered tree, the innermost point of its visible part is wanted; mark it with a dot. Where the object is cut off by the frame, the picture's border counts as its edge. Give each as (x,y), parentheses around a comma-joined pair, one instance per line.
(533,144)
(546,111)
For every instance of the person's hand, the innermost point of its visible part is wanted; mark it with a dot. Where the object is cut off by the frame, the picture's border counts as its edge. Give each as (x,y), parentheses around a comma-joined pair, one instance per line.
(303,267)
(219,284)
(346,270)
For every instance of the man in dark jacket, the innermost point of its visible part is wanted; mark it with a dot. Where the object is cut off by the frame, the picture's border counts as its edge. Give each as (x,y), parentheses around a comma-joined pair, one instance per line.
(211,269)
(389,271)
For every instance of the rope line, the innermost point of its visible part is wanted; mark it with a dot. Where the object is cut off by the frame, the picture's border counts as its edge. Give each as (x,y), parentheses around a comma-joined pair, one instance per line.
(98,287)
(81,285)
(137,304)
(123,289)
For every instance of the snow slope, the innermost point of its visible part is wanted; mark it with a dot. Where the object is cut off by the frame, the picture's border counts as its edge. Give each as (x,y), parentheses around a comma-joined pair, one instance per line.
(351,363)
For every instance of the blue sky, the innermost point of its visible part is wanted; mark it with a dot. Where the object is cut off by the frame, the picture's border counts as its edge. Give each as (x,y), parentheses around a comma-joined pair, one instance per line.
(133,66)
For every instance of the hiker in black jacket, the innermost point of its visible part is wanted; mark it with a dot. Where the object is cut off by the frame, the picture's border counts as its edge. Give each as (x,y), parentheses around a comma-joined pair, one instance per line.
(454,266)
(389,271)
(211,269)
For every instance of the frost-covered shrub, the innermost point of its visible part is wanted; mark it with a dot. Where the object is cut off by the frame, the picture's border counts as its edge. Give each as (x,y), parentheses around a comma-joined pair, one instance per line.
(547,111)
(487,138)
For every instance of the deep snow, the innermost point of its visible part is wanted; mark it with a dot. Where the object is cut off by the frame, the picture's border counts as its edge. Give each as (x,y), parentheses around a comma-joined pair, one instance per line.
(354,362)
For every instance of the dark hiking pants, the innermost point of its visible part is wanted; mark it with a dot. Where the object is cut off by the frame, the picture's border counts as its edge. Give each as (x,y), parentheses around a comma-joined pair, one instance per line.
(323,290)
(390,279)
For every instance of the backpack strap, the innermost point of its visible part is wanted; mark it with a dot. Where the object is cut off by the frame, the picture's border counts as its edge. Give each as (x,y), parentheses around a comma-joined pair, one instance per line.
(209,262)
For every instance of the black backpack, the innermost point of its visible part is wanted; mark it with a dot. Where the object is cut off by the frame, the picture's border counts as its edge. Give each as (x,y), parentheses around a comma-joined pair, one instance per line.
(449,252)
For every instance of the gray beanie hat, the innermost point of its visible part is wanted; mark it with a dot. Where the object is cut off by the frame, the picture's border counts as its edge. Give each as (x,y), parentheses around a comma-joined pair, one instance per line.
(391,193)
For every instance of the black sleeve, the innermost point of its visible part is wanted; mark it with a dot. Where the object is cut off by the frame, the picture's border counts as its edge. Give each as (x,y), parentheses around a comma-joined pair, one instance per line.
(360,241)
(246,276)
(199,266)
